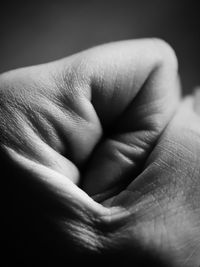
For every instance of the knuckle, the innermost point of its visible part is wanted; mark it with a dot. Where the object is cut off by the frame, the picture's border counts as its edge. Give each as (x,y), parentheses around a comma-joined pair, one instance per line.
(166,52)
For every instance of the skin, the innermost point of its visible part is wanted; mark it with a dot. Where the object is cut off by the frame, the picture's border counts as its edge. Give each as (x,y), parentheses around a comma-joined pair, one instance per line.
(100,159)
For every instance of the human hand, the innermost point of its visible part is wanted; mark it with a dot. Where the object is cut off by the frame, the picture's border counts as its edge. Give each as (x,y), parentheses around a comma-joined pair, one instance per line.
(52,118)
(161,206)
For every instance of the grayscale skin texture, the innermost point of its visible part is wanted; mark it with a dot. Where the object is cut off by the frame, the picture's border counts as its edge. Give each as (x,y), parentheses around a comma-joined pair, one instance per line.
(100,159)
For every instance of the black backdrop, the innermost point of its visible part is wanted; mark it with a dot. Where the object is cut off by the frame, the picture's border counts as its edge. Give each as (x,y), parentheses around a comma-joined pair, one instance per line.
(33,32)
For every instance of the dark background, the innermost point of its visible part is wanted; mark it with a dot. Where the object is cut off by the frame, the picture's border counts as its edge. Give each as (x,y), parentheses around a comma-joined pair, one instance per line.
(33,32)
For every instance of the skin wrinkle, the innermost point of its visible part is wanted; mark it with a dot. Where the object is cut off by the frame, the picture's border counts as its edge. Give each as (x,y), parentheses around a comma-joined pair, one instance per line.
(42,127)
(34,154)
(172,179)
(189,241)
(120,141)
(87,231)
(93,233)
(156,128)
(92,121)
(151,186)
(66,99)
(173,144)
(49,133)
(176,209)
(75,121)
(159,163)
(157,224)
(150,124)
(169,143)
(154,163)
(14,133)
(56,183)
(55,121)
(121,150)
(100,84)
(168,166)
(22,110)
(125,158)
(180,158)
(75,78)
(174,158)
(136,146)
(25,124)
(76,116)
(96,231)
(190,256)
(112,225)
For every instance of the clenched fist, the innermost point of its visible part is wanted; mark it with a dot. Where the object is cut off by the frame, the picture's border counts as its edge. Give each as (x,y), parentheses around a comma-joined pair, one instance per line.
(100,159)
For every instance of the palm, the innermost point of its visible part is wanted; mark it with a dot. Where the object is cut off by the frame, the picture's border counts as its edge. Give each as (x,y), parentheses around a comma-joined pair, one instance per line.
(161,206)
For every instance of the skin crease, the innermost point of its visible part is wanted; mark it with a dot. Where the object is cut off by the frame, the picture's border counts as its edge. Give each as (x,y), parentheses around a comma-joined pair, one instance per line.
(99,159)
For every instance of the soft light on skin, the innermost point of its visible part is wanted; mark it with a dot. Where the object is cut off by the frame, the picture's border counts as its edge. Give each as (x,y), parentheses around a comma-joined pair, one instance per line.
(104,156)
